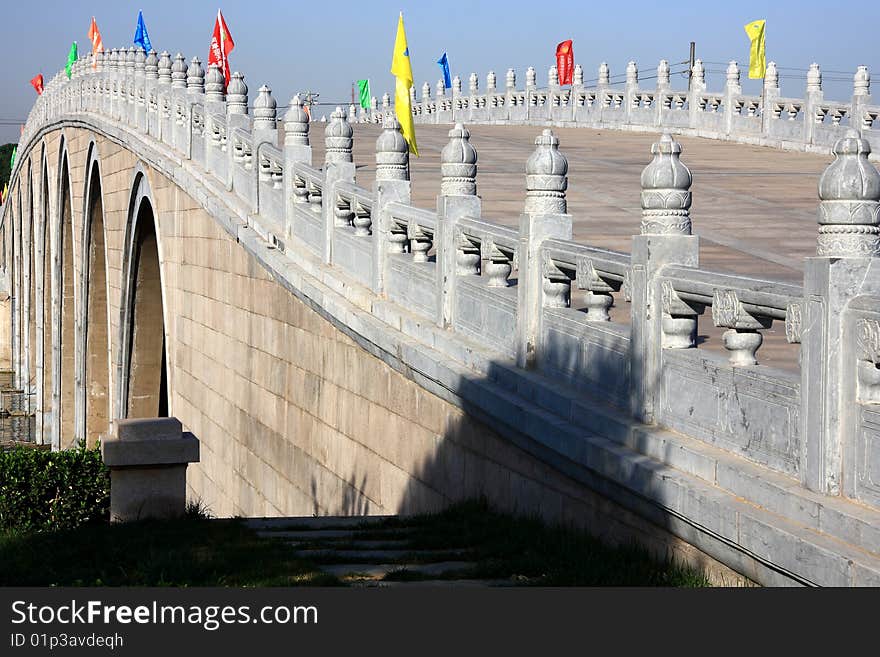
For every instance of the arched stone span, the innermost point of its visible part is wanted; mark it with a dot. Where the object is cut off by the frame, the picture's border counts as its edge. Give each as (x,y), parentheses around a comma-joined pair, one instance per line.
(143,380)
(64,302)
(93,399)
(43,302)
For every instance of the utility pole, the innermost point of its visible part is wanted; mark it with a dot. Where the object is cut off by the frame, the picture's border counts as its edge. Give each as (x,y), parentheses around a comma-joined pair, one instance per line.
(691,66)
(352,93)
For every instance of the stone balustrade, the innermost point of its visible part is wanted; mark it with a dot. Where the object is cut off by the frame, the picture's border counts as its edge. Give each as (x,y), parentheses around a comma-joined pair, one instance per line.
(552,319)
(810,123)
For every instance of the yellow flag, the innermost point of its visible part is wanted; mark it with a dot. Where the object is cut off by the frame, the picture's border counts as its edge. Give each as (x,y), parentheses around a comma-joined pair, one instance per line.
(757,59)
(401,69)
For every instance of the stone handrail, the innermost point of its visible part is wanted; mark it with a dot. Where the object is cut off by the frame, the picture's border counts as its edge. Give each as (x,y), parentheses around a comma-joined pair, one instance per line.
(810,123)
(444,278)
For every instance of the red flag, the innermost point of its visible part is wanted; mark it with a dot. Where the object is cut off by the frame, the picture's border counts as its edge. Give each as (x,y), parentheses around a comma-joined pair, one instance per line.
(97,43)
(565,62)
(37,82)
(221,45)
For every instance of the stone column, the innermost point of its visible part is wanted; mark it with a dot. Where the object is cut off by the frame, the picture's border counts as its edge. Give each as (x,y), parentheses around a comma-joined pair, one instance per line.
(296,149)
(698,86)
(861,97)
(458,198)
(147,460)
(771,93)
(631,91)
(659,318)
(178,106)
(163,97)
(391,185)
(151,97)
(545,216)
(732,89)
(139,93)
(338,167)
(812,98)
(845,266)
(663,85)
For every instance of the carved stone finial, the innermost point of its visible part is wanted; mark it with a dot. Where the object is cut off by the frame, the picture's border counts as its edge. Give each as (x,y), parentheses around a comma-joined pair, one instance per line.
(531,77)
(698,74)
(440,89)
(604,75)
(473,84)
(546,177)
(386,100)
(195,77)
(849,211)
(553,76)
(178,72)
(458,164)
(215,84)
(100,58)
(236,95)
(663,73)
(151,66)
(733,74)
(352,113)
(164,68)
(140,60)
(771,76)
(296,124)
(814,78)
(666,196)
(578,79)
(338,138)
(426,91)
(510,79)
(632,73)
(112,60)
(456,86)
(130,58)
(264,109)
(862,82)
(491,82)
(412,96)
(392,152)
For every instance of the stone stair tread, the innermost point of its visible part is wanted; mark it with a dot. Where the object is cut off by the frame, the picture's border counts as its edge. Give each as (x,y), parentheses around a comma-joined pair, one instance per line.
(442,583)
(316,522)
(379,570)
(320,534)
(380,555)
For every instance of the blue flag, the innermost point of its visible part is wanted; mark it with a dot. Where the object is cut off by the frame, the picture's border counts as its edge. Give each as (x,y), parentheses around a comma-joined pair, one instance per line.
(444,64)
(141,38)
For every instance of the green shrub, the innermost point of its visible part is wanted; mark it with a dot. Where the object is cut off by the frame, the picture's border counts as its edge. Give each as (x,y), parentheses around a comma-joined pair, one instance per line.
(42,490)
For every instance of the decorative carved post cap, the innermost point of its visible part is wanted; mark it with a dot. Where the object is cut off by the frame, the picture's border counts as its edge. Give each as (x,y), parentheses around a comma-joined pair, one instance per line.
(663,73)
(392,152)
(236,95)
(698,74)
(510,79)
(112,60)
(195,77)
(456,86)
(531,77)
(338,138)
(426,91)
(140,59)
(632,73)
(733,74)
(604,74)
(849,211)
(215,84)
(440,89)
(666,196)
(130,58)
(473,83)
(164,68)
(546,177)
(386,100)
(814,78)
(553,76)
(296,123)
(578,75)
(178,72)
(264,109)
(771,76)
(491,81)
(151,66)
(862,82)
(458,164)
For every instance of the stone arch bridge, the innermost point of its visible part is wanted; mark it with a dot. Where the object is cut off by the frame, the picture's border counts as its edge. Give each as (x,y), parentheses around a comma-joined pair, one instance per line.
(168,250)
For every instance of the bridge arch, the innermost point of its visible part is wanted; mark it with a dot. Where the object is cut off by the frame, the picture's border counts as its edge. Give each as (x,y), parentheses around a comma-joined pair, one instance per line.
(142,364)
(93,394)
(43,304)
(30,290)
(63,307)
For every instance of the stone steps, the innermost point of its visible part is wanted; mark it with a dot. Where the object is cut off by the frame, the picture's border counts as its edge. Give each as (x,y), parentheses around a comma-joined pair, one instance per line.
(360,571)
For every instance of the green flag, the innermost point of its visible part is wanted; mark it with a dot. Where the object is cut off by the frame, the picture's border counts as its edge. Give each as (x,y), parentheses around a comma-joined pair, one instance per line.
(71,58)
(364,93)
(12,159)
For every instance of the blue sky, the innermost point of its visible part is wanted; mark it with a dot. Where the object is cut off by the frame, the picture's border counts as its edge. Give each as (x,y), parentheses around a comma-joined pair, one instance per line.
(324,46)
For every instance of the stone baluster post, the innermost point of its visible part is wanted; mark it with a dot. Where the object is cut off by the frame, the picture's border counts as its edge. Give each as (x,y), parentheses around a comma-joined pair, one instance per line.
(698,86)
(296,150)
(473,90)
(845,266)
(109,81)
(195,94)
(604,76)
(374,110)
(163,97)
(118,93)
(631,90)
(545,216)
(139,90)
(178,107)
(771,93)
(663,86)
(458,198)
(151,95)
(509,91)
(264,130)
(531,88)
(426,101)
(215,104)
(491,95)
(659,317)
(338,167)
(128,100)
(392,185)
(732,89)
(813,115)
(861,97)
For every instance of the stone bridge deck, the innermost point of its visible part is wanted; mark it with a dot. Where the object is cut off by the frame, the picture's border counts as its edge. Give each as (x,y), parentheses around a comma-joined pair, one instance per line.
(754,208)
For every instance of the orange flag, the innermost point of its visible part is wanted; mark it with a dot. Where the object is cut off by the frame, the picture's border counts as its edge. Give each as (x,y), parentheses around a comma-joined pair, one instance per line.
(97,44)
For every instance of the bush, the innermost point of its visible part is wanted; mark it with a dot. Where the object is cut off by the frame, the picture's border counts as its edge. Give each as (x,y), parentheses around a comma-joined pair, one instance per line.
(42,490)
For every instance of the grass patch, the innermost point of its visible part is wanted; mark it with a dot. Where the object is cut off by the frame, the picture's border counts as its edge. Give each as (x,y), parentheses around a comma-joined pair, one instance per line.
(191,551)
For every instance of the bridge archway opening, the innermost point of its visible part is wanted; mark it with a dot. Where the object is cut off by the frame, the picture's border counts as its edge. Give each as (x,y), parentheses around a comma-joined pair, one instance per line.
(46,310)
(66,288)
(32,289)
(146,368)
(96,398)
